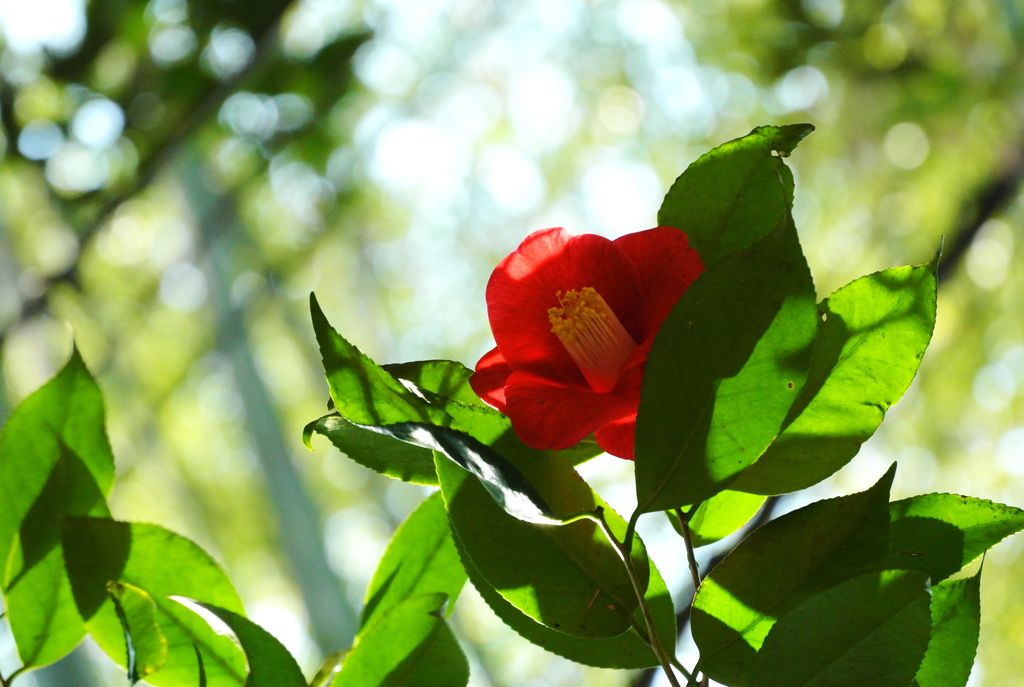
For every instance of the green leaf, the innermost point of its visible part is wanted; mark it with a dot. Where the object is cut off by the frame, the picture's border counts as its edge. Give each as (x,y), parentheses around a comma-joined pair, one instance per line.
(941,533)
(956,623)
(869,630)
(723,372)
(146,650)
(329,670)
(375,450)
(720,516)
(55,460)
(64,416)
(408,645)
(778,566)
(442,380)
(625,651)
(733,195)
(270,664)
(163,564)
(568,577)
(421,559)
(872,335)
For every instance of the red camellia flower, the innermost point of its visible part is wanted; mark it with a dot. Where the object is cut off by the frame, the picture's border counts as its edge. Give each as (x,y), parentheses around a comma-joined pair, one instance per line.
(573,318)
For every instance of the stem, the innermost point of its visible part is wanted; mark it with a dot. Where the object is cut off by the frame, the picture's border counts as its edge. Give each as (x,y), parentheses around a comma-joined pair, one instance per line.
(684,529)
(634,579)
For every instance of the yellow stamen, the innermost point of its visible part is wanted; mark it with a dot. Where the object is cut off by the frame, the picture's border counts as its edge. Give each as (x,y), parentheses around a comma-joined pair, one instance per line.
(593,336)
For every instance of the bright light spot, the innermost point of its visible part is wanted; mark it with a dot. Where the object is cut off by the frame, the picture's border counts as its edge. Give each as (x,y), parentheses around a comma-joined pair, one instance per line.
(801,88)
(906,145)
(40,140)
(542,108)
(1010,451)
(413,156)
(387,69)
(884,46)
(293,111)
(994,386)
(300,189)
(77,169)
(250,114)
(98,123)
(988,260)
(32,24)
(126,241)
(621,110)
(229,51)
(183,287)
(621,194)
(512,179)
(825,13)
(169,11)
(649,22)
(172,45)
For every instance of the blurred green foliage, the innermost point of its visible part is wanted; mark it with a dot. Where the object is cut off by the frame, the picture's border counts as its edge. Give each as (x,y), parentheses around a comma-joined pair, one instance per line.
(177,176)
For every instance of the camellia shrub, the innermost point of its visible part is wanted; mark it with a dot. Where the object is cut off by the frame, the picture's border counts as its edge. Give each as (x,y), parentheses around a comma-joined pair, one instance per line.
(696,349)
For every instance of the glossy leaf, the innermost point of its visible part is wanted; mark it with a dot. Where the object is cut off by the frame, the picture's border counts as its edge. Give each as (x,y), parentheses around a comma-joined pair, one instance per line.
(941,533)
(55,461)
(625,651)
(871,337)
(146,650)
(720,516)
(780,565)
(442,380)
(567,577)
(956,623)
(408,645)
(421,559)
(735,194)
(269,663)
(723,372)
(162,564)
(869,630)
(328,670)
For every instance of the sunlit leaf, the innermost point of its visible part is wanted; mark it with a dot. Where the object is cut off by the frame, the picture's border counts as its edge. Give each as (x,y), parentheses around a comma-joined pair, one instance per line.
(421,559)
(941,533)
(329,670)
(408,645)
(55,461)
(568,577)
(956,623)
(778,566)
(269,663)
(146,648)
(871,338)
(733,195)
(720,516)
(869,630)
(723,372)
(163,564)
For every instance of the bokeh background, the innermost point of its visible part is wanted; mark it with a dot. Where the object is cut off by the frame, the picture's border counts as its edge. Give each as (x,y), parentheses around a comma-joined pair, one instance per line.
(176,176)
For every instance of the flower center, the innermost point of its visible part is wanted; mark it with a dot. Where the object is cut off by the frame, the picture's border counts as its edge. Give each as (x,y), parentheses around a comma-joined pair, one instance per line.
(592,335)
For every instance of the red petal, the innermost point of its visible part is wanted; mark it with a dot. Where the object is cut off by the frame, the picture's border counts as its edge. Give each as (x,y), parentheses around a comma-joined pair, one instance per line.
(526,283)
(617,437)
(548,415)
(490,377)
(667,266)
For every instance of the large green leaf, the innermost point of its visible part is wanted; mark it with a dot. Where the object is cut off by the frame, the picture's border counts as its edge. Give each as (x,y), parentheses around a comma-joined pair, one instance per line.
(269,663)
(163,564)
(146,645)
(956,623)
(568,577)
(871,337)
(409,645)
(55,461)
(723,372)
(777,567)
(869,630)
(720,516)
(421,559)
(733,195)
(629,650)
(941,533)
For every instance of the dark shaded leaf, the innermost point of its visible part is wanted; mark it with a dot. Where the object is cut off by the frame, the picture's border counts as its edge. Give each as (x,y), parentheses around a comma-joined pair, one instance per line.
(869,630)
(780,565)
